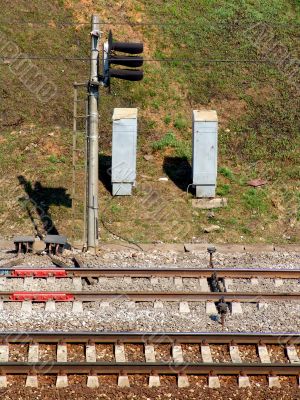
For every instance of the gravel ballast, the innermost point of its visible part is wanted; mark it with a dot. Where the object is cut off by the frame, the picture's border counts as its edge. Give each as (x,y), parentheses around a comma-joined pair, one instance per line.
(119,316)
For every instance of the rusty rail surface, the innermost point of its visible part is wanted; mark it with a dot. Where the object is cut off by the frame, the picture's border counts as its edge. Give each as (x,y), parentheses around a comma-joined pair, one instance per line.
(281,338)
(144,296)
(159,272)
(170,368)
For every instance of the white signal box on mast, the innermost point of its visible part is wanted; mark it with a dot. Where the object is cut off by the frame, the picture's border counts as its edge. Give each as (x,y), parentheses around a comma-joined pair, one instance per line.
(124,142)
(205,152)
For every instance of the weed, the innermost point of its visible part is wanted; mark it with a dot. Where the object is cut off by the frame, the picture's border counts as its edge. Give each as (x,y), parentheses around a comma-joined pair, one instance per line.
(115,208)
(56,160)
(182,148)
(226,172)
(169,140)
(223,190)
(256,200)
(180,123)
(167,119)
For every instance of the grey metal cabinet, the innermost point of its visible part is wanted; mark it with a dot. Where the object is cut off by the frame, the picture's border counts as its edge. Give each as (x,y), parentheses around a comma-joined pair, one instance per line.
(205,152)
(124,143)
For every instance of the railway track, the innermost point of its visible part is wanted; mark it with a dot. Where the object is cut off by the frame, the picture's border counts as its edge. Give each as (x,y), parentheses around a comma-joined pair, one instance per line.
(243,273)
(94,366)
(97,276)
(144,296)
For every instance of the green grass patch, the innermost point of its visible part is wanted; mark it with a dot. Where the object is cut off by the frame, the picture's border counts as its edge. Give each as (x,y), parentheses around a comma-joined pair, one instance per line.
(223,190)
(56,160)
(226,172)
(256,200)
(182,148)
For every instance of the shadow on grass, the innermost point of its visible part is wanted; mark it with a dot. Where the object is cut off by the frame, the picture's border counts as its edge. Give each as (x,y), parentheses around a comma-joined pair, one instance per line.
(38,201)
(179,170)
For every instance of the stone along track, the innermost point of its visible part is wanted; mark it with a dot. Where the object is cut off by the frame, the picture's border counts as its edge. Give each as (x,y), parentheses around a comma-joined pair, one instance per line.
(95,355)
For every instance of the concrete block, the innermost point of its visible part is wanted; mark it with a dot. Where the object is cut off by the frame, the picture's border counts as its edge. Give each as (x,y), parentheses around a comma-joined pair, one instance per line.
(178,282)
(77,307)
(254,281)
(184,307)
(92,381)
(235,354)
(228,282)
(278,282)
(264,354)
(154,381)
(274,382)
(154,280)
(292,354)
(211,308)
(236,308)
(51,280)
(213,382)
(149,353)
(104,304)
(244,381)
(62,381)
(177,353)
(158,304)
(207,204)
(206,354)
(102,281)
(33,353)
(32,381)
(204,287)
(28,281)
(4,352)
(127,280)
(77,283)
(123,381)
(183,381)
(120,353)
(130,304)
(50,306)
(26,307)
(2,281)
(262,306)
(3,381)
(90,353)
(62,353)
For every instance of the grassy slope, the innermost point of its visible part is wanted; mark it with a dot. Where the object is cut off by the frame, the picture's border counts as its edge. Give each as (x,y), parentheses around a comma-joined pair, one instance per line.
(257,107)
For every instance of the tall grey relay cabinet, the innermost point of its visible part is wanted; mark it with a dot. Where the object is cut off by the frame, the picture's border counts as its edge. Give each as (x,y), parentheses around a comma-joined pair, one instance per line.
(124,141)
(205,152)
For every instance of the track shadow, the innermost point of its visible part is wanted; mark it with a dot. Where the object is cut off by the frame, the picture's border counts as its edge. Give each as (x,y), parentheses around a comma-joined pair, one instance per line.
(38,201)
(179,171)
(105,171)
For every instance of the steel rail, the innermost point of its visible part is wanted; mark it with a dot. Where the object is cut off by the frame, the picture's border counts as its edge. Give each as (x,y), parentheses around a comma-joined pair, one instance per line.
(89,296)
(148,368)
(281,338)
(168,272)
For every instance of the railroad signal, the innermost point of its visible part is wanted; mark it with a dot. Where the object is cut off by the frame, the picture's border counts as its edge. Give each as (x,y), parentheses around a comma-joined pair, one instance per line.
(133,61)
